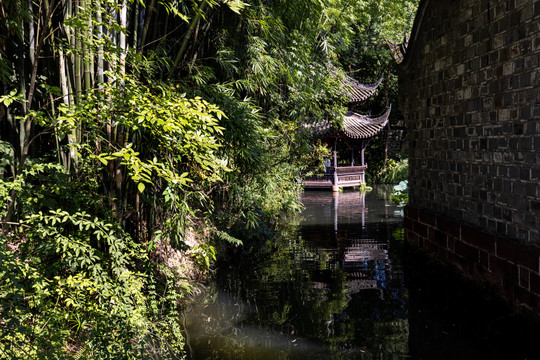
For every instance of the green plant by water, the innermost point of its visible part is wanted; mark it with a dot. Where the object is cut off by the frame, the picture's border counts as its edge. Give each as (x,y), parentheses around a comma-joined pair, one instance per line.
(118,142)
(400,194)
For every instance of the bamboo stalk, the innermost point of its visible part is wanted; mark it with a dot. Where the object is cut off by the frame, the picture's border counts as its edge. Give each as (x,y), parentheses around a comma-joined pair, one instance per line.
(135,26)
(112,65)
(100,77)
(31,36)
(68,14)
(77,76)
(146,25)
(64,86)
(187,36)
(63,78)
(123,40)
(25,127)
(91,55)
(87,51)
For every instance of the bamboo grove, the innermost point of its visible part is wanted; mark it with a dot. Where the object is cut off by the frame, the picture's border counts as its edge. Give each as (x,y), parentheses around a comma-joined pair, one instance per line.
(130,126)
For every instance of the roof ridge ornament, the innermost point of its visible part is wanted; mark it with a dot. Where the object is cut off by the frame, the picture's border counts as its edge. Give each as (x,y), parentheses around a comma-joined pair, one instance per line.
(399,50)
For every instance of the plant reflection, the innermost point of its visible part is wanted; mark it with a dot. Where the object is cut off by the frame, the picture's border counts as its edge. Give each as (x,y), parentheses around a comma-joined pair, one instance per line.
(329,288)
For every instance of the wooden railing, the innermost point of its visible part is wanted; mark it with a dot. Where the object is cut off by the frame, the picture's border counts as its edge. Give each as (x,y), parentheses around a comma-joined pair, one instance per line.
(350,170)
(343,173)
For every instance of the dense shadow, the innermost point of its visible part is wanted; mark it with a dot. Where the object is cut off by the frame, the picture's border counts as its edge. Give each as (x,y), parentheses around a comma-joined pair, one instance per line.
(450,318)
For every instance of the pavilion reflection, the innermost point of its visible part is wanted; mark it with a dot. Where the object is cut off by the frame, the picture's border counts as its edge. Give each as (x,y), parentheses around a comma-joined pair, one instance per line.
(339,223)
(351,232)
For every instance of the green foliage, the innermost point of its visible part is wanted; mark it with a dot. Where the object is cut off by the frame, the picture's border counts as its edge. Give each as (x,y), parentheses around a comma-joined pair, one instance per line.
(67,279)
(367,57)
(261,184)
(122,134)
(87,289)
(8,99)
(170,149)
(394,172)
(204,255)
(399,235)
(393,18)
(400,194)
(29,185)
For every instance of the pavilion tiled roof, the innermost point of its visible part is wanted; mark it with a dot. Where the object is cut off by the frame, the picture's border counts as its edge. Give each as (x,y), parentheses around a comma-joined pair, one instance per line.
(358,92)
(358,126)
(355,126)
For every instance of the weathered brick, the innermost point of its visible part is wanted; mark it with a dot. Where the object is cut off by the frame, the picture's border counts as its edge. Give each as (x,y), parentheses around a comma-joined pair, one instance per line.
(439,237)
(524,277)
(411,212)
(535,283)
(535,205)
(449,226)
(407,223)
(420,229)
(527,257)
(467,251)
(522,296)
(477,238)
(471,104)
(427,218)
(503,268)
(484,260)
(464,265)
(410,236)
(508,289)
(535,303)
(432,247)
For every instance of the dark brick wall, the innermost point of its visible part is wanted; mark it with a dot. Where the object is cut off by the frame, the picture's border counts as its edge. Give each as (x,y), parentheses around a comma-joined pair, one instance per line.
(508,267)
(469,90)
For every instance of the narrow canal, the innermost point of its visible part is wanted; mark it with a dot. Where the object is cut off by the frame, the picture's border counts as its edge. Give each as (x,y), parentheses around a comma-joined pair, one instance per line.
(341,283)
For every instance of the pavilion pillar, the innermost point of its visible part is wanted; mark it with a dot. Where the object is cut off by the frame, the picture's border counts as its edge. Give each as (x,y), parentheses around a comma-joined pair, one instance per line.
(335,185)
(362,163)
(362,147)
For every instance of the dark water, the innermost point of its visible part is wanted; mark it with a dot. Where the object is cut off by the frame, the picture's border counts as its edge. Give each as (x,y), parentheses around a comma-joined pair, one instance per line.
(342,284)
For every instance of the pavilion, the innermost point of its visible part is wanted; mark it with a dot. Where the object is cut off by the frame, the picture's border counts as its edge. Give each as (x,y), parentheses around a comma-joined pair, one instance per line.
(352,139)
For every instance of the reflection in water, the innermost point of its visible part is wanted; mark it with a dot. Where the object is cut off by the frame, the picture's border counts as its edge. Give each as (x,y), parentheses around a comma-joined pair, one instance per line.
(340,285)
(331,287)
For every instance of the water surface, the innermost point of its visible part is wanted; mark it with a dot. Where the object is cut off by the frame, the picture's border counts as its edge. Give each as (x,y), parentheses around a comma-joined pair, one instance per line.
(342,284)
